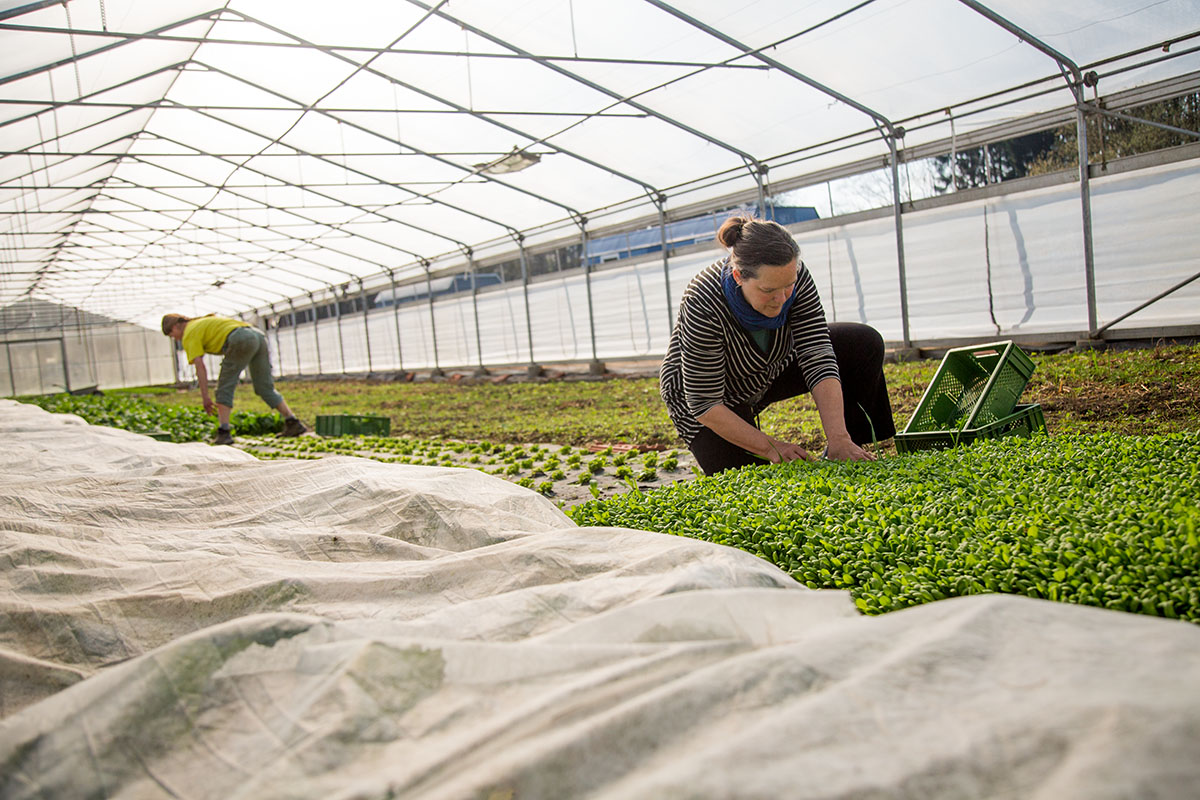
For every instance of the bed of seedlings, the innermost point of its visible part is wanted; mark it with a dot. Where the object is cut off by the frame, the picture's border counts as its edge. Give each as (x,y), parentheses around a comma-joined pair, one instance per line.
(174,423)
(1103,520)
(568,474)
(565,473)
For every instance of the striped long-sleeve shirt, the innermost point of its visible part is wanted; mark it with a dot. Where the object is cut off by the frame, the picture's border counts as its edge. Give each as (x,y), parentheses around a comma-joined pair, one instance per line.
(713,360)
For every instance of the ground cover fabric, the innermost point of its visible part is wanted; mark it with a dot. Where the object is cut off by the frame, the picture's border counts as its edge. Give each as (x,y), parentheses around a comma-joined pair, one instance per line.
(185,621)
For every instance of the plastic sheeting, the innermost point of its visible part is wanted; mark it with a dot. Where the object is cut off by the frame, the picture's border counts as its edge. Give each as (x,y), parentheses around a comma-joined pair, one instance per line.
(1007,265)
(184,621)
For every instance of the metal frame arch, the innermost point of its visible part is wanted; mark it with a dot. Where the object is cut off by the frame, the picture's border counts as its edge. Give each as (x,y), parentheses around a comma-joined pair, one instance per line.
(320,157)
(225,213)
(757,168)
(1076,84)
(889,132)
(206,15)
(272,267)
(426,93)
(166,104)
(292,211)
(298,151)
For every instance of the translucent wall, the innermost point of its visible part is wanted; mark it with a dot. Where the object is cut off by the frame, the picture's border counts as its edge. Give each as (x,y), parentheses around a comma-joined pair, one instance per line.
(1011,264)
(83,358)
(1006,265)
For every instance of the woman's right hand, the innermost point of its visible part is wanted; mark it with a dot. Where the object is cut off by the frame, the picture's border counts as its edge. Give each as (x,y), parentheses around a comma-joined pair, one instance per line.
(781,451)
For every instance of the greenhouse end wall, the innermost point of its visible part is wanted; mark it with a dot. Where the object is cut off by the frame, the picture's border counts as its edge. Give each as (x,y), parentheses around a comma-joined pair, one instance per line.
(83,359)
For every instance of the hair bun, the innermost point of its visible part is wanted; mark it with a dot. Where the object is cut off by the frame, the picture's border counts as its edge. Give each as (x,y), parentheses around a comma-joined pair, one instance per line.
(731,231)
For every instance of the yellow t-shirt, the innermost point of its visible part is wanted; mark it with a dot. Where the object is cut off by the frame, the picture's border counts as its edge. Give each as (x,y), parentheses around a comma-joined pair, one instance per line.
(207,335)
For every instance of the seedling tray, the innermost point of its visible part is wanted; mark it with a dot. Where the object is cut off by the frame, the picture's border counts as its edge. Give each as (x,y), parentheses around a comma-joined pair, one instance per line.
(353,425)
(973,387)
(1024,421)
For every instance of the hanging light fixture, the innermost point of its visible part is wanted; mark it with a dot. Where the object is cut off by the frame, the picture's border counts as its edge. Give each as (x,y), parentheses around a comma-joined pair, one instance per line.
(514,161)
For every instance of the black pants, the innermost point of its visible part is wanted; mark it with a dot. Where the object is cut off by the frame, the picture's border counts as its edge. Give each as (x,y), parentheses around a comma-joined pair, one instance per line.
(859,352)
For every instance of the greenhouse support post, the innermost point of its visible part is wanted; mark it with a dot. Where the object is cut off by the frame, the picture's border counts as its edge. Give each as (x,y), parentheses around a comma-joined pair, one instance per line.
(1076,82)
(66,367)
(91,347)
(120,357)
(437,367)
(271,323)
(481,370)
(38,362)
(174,360)
(337,310)
(296,337)
(1085,199)
(596,367)
(84,335)
(661,202)
(534,369)
(396,319)
(758,170)
(145,352)
(316,334)
(362,293)
(897,212)
(12,377)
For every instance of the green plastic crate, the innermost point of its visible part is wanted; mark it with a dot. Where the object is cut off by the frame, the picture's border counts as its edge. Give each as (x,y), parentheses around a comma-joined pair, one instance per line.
(353,425)
(974,386)
(1024,421)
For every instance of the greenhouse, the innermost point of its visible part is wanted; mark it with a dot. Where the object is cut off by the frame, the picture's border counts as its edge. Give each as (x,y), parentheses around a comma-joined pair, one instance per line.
(297,171)
(457,223)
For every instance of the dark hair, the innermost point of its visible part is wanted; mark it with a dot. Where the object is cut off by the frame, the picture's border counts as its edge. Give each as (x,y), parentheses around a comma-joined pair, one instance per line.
(170,320)
(754,243)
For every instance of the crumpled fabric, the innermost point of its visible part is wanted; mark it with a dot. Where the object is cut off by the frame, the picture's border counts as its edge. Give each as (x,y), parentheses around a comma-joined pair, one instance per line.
(184,621)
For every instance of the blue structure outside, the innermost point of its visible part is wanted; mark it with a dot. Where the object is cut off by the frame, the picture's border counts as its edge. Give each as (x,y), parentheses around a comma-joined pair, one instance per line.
(445,285)
(683,232)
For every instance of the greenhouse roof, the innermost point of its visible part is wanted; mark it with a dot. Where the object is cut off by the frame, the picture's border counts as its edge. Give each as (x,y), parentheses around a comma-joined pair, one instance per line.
(195,156)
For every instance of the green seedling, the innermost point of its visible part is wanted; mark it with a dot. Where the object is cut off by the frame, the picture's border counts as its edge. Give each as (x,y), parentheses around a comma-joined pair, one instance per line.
(1103,520)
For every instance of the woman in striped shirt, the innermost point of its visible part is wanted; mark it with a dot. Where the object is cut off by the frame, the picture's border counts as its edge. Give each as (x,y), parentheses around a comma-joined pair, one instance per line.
(750,332)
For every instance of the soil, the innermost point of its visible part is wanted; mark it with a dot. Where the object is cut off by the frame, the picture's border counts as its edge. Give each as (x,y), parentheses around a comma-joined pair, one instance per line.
(1134,408)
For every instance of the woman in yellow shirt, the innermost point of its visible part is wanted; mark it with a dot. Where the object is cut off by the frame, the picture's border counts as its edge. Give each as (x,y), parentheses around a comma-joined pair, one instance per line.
(241,346)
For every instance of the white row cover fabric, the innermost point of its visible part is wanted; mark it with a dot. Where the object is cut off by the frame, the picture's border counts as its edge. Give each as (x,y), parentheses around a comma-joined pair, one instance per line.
(184,621)
(187,156)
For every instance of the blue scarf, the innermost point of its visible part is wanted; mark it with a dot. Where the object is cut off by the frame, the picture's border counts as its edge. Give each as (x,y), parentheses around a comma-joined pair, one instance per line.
(745,314)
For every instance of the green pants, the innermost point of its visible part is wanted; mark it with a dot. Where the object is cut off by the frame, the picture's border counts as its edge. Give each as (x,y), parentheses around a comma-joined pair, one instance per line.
(246,347)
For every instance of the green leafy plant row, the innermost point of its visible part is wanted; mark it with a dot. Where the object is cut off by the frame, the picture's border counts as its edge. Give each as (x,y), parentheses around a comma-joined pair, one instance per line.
(1141,392)
(183,423)
(1103,520)
(534,466)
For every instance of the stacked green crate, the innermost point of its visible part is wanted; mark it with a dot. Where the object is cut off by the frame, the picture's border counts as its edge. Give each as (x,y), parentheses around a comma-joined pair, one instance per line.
(973,396)
(353,425)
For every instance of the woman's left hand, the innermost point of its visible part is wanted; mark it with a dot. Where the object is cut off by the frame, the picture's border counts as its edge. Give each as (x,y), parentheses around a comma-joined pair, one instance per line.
(847,450)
